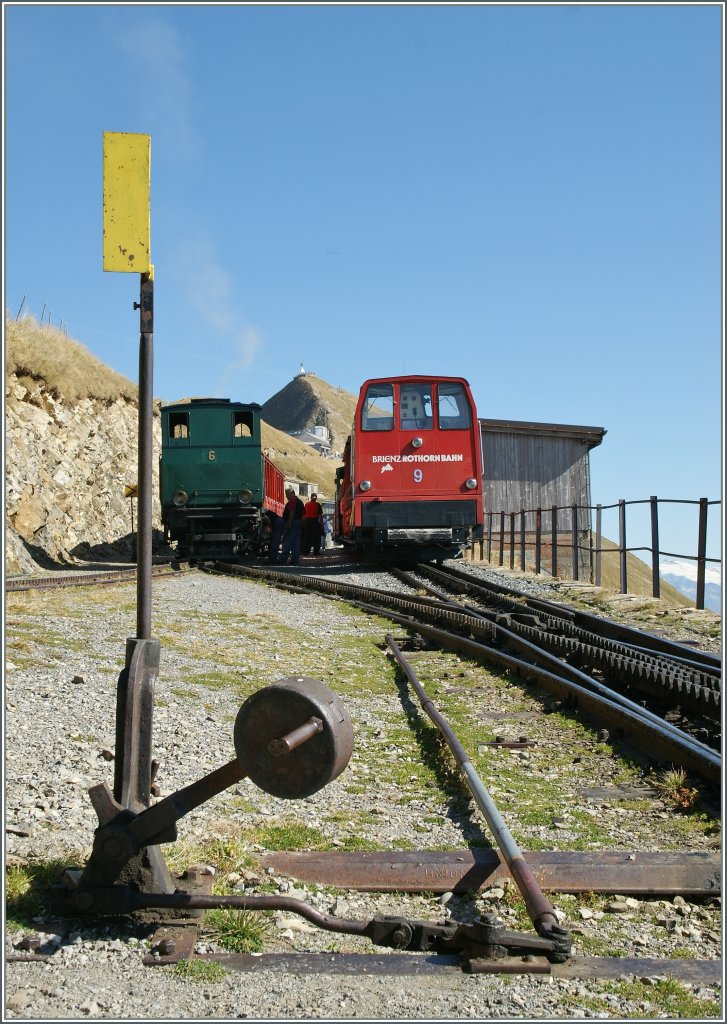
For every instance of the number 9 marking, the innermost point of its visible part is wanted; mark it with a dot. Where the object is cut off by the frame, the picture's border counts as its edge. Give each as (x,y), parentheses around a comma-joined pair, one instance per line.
(418,476)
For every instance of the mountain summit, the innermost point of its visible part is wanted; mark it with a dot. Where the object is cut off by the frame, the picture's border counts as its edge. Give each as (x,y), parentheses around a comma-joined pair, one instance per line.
(307,402)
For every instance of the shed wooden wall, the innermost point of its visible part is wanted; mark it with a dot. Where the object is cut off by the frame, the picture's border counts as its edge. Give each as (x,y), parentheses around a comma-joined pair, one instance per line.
(535,471)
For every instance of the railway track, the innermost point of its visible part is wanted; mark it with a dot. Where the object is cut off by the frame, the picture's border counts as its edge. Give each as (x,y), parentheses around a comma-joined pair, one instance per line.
(519,957)
(532,648)
(629,660)
(88,577)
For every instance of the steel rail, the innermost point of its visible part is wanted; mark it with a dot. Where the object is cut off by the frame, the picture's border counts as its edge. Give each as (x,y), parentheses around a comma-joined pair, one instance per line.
(540,911)
(701,693)
(672,743)
(90,578)
(664,741)
(603,627)
(709,674)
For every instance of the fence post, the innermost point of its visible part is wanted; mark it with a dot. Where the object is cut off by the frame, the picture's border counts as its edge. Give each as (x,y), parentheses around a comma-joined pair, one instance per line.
(574,539)
(512,540)
(489,536)
(599,509)
(622,543)
(701,552)
(655,578)
(522,539)
(502,538)
(538,538)
(554,541)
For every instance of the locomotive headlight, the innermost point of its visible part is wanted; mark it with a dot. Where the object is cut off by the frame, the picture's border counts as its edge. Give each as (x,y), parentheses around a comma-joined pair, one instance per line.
(471,483)
(245,496)
(416,442)
(365,485)
(180,498)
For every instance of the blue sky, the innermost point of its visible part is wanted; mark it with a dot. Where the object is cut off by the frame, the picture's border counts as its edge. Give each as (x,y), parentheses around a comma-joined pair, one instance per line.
(528,196)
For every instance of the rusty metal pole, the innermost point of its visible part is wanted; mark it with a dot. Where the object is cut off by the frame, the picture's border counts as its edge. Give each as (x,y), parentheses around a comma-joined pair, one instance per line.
(146,439)
(540,911)
(135,689)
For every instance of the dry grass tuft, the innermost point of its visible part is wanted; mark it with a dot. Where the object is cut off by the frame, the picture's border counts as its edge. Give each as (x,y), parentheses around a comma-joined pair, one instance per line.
(42,353)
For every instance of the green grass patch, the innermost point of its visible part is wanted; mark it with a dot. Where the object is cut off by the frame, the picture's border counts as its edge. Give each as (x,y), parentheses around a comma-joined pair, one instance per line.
(215,680)
(667,998)
(240,931)
(226,853)
(199,970)
(289,835)
(26,889)
(180,691)
(354,843)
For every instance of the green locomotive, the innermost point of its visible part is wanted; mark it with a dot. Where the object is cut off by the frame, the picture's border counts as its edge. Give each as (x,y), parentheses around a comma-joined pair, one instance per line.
(215,481)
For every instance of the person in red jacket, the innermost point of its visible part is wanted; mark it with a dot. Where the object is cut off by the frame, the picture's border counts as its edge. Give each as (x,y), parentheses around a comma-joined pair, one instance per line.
(312,526)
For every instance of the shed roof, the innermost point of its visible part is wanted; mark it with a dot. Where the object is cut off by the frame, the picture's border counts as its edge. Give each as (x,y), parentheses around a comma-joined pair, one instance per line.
(590,436)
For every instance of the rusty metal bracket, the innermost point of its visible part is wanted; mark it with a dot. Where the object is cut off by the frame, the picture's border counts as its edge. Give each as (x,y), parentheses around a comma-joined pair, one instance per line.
(133,765)
(519,744)
(485,938)
(292,738)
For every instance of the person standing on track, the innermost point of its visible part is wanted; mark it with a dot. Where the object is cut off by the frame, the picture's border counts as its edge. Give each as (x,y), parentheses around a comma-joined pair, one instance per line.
(273,529)
(292,519)
(312,526)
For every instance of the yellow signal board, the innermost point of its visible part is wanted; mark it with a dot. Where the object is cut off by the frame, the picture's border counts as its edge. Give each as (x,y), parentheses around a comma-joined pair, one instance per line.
(126,202)
(130,491)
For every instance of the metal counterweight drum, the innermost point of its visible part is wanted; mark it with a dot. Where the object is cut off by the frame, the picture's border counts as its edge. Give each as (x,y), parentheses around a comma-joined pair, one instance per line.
(295,703)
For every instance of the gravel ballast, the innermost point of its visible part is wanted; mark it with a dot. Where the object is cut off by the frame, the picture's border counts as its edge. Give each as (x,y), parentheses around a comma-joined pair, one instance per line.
(221,639)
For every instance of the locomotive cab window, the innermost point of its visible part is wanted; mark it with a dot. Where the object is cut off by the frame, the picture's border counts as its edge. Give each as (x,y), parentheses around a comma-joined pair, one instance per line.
(378,408)
(242,423)
(415,407)
(453,407)
(179,426)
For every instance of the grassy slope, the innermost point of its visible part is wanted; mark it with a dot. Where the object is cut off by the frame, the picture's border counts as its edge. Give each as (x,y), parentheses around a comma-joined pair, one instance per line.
(638,576)
(43,355)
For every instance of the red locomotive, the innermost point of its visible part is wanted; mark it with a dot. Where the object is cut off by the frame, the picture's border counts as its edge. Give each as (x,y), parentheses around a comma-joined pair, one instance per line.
(411,482)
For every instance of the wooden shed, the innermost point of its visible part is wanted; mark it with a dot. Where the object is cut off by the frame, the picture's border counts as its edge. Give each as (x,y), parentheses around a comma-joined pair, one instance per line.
(540,466)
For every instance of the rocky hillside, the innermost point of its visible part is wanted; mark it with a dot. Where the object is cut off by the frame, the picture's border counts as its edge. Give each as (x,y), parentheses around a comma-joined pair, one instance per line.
(71,429)
(307,401)
(71,447)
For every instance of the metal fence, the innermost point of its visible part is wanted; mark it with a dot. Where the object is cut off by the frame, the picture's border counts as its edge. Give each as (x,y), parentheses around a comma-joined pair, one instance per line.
(563,537)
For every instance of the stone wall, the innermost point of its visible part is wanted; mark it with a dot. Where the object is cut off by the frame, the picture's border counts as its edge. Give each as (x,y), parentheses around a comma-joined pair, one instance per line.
(66,467)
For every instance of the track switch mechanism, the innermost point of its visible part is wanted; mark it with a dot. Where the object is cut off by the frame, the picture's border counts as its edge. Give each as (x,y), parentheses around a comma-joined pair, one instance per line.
(291,738)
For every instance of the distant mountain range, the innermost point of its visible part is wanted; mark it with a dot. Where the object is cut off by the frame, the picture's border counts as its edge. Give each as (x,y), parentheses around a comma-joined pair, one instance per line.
(683,577)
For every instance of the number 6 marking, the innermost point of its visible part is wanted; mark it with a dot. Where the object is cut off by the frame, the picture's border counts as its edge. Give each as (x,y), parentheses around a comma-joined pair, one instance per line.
(418,476)
(211,456)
